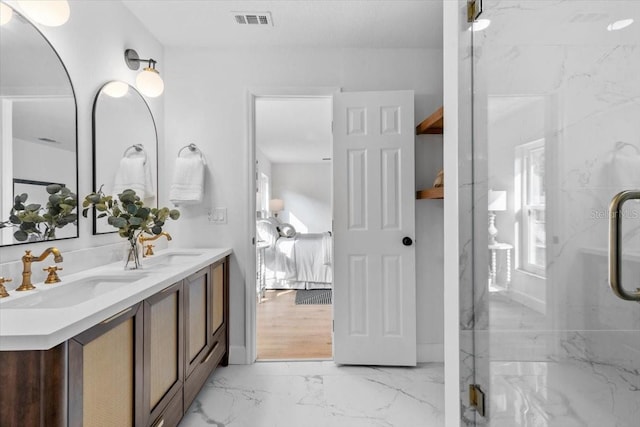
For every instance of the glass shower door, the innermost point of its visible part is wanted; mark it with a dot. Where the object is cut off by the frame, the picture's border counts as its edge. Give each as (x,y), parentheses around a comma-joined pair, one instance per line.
(556,137)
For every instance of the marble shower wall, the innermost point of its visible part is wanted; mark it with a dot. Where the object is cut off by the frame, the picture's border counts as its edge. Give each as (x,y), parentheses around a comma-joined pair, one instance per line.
(558,350)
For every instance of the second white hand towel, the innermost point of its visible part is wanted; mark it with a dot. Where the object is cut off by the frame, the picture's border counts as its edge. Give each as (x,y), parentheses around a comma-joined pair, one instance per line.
(188,181)
(130,175)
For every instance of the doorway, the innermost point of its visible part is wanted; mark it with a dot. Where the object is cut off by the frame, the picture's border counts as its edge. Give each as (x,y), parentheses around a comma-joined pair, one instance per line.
(293,220)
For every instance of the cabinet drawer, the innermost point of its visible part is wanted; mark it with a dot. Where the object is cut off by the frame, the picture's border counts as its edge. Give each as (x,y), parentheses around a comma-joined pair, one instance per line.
(172,415)
(207,364)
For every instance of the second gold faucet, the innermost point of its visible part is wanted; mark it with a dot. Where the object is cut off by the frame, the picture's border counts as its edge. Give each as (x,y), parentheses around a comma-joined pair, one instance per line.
(149,250)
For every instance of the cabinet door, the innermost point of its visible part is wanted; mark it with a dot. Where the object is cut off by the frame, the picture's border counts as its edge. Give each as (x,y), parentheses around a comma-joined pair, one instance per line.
(220,307)
(105,372)
(163,350)
(197,291)
(217,296)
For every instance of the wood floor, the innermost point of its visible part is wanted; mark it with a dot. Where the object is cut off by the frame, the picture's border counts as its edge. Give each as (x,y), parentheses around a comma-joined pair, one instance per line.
(290,331)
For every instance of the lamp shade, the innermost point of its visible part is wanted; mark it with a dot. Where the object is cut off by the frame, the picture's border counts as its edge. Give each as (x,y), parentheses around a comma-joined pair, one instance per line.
(497,200)
(5,14)
(51,13)
(276,205)
(116,89)
(150,83)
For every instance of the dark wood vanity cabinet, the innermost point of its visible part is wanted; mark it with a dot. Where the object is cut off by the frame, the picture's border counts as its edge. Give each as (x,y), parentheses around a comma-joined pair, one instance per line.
(206,321)
(163,356)
(105,372)
(141,367)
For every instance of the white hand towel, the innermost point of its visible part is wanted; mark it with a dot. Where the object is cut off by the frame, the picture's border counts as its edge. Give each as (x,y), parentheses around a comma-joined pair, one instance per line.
(188,181)
(130,175)
(149,189)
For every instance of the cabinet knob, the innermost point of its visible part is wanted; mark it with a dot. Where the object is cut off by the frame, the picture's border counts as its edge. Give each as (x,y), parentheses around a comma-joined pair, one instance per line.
(407,241)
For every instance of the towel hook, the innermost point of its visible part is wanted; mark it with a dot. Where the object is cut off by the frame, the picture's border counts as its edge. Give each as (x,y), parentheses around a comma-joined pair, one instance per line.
(193,148)
(138,148)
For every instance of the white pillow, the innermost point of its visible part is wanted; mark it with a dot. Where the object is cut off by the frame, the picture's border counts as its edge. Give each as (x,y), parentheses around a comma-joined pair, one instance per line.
(287,230)
(267,232)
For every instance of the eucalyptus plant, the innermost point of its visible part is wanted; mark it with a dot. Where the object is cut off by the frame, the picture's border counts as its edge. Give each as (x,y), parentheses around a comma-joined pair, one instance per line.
(128,214)
(37,223)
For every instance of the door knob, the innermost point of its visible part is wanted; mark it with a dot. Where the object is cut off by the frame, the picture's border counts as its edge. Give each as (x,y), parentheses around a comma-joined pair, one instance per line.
(407,241)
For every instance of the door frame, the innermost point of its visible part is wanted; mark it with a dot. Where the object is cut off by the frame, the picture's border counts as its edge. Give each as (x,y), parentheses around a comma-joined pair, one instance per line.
(250,269)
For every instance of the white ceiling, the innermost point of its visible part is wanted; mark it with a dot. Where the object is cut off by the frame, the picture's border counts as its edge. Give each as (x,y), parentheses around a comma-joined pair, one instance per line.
(294,130)
(297,23)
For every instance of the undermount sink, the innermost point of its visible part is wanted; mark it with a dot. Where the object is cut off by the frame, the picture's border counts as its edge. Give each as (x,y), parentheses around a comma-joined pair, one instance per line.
(170,258)
(73,293)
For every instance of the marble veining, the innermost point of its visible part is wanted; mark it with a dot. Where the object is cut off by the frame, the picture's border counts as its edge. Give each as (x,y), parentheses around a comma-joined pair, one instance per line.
(322,394)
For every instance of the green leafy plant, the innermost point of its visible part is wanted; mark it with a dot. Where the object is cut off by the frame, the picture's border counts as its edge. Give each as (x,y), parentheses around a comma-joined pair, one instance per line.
(128,214)
(37,223)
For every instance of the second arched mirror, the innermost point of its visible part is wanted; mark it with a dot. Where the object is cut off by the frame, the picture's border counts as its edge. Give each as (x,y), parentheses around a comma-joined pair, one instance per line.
(125,146)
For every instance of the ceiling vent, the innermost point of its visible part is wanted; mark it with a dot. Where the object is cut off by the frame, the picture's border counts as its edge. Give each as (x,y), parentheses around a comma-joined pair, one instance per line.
(262,19)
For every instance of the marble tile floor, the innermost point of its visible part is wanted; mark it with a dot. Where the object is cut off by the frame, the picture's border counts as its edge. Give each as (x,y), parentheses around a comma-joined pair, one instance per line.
(320,394)
(563,394)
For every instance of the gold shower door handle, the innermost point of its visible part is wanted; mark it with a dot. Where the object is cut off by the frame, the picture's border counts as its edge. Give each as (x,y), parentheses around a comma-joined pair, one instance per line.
(615,260)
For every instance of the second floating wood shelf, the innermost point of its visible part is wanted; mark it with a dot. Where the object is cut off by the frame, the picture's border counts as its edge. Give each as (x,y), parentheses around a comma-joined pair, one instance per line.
(431,193)
(432,124)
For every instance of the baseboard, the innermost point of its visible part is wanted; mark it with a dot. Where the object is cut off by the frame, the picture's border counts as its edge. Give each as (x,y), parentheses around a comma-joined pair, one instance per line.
(430,353)
(527,300)
(238,355)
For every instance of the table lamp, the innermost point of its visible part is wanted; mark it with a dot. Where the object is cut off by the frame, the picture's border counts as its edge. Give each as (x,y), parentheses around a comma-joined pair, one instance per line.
(497,203)
(275,206)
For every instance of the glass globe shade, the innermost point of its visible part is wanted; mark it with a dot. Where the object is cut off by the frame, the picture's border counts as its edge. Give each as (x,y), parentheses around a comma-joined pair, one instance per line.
(116,89)
(51,13)
(5,13)
(150,83)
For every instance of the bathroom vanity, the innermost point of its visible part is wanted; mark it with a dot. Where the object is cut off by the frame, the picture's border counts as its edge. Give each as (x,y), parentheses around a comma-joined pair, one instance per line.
(135,354)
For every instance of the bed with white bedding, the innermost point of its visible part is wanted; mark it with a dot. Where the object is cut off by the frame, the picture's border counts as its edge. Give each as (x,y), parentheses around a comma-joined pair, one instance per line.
(293,260)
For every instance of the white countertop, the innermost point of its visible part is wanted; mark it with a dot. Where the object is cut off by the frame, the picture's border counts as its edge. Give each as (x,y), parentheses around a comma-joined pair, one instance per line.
(44,328)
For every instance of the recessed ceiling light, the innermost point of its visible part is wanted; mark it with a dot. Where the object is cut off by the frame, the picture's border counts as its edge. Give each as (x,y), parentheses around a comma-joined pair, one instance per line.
(480,24)
(618,25)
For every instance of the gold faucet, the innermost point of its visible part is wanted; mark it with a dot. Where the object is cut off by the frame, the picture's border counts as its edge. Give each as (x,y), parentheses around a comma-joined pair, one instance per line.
(3,290)
(149,247)
(52,277)
(27,259)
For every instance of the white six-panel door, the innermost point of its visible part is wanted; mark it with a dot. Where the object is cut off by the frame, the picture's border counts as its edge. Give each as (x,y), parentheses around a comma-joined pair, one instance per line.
(374,198)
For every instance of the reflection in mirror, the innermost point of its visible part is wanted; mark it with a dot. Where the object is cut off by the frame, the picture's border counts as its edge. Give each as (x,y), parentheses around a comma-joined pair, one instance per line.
(37,132)
(125,146)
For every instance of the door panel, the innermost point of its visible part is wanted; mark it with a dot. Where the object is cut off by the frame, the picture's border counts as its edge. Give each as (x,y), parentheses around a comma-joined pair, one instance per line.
(374,202)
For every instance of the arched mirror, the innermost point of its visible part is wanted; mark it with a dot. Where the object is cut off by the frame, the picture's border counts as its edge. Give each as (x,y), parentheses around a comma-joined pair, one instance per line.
(38,138)
(125,146)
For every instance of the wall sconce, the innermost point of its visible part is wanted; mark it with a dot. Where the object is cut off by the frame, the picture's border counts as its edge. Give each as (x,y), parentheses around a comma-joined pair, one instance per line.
(275,206)
(51,13)
(148,80)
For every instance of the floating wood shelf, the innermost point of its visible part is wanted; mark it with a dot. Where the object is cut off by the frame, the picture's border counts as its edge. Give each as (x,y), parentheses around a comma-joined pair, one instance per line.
(432,124)
(431,193)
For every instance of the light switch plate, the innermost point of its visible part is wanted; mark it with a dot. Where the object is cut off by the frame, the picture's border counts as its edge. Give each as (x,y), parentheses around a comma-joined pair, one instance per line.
(217,215)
